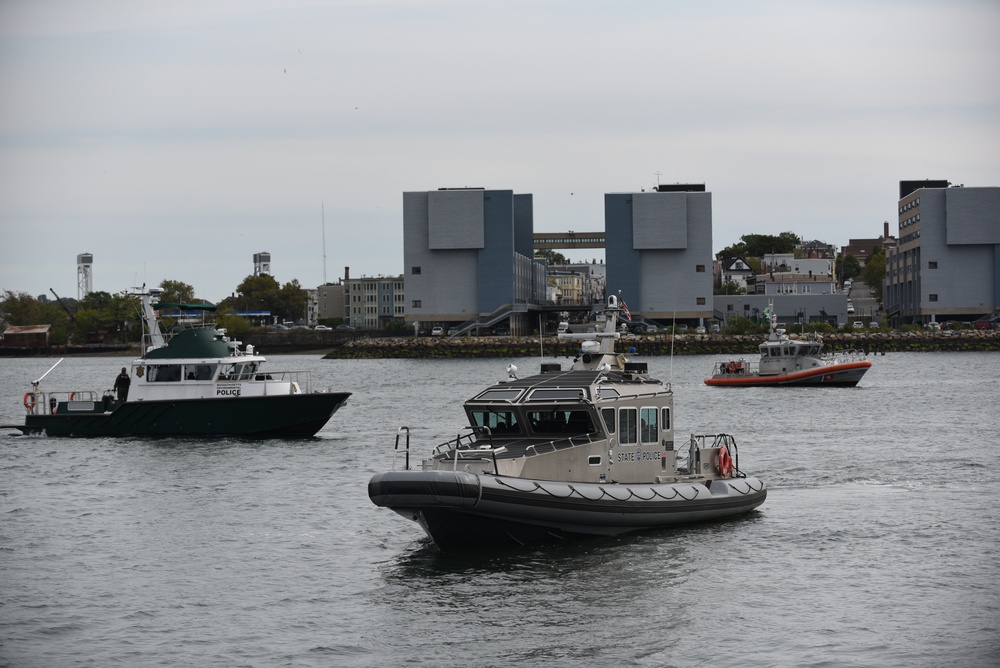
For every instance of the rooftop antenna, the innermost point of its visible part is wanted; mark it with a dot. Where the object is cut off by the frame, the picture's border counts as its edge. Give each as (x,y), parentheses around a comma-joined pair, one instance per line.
(322,213)
(657,179)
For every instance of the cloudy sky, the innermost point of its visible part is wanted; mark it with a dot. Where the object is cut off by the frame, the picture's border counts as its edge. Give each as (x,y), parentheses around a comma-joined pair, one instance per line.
(173,140)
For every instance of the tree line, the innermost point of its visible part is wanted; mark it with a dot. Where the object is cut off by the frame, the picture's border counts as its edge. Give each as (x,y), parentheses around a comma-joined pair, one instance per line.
(101,317)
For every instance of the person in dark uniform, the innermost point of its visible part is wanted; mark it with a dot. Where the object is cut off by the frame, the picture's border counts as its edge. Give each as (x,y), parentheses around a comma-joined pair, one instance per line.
(122,383)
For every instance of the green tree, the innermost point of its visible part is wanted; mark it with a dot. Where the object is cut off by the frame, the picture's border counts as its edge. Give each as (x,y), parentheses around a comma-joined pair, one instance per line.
(235,326)
(874,272)
(730,287)
(847,266)
(263,293)
(292,300)
(741,325)
(758,245)
(255,293)
(553,257)
(176,292)
(23,309)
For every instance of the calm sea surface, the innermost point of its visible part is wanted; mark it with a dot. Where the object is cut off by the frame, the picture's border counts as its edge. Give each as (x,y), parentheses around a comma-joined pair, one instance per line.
(877,546)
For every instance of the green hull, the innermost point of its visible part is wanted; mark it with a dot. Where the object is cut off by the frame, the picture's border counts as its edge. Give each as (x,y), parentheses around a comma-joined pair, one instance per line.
(290,416)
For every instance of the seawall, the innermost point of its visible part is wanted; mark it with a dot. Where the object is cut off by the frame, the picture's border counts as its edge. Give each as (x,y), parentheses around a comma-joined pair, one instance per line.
(503,346)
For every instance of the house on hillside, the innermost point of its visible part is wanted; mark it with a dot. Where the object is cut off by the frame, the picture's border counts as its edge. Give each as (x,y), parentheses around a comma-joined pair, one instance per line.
(738,272)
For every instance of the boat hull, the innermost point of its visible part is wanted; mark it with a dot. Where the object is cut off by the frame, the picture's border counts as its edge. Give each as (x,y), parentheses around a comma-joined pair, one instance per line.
(848,374)
(458,509)
(290,416)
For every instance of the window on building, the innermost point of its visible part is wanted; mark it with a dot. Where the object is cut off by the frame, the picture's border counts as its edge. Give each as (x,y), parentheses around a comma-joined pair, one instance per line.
(416,303)
(701,301)
(414,270)
(932,297)
(700,268)
(932,265)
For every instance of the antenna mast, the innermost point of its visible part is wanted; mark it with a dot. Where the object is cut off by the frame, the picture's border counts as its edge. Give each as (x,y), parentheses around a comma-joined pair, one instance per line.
(322,213)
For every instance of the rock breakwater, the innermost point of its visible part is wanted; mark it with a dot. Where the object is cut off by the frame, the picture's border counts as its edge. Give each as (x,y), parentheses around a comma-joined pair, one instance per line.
(717,344)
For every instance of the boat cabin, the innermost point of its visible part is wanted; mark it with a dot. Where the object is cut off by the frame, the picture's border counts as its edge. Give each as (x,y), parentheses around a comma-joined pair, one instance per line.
(583,425)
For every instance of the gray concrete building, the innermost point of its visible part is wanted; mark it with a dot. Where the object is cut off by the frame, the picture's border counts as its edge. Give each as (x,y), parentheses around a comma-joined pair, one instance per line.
(658,250)
(468,258)
(945,266)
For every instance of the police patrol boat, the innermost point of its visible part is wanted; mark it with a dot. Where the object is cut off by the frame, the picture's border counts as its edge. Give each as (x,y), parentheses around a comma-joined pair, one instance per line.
(195,382)
(589,451)
(784,361)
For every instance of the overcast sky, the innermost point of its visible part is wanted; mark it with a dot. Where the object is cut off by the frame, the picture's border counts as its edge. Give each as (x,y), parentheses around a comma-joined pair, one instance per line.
(173,140)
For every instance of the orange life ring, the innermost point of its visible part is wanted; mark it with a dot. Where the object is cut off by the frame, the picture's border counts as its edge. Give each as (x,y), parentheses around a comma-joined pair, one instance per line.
(724,462)
(29,401)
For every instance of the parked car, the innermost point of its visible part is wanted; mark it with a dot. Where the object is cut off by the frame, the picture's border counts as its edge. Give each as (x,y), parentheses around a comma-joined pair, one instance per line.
(345,328)
(933,325)
(873,325)
(857,324)
(700,330)
(437,331)
(323,328)
(715,329)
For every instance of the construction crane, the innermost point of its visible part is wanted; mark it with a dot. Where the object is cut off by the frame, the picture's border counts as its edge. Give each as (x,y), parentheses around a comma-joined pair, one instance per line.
(59,299)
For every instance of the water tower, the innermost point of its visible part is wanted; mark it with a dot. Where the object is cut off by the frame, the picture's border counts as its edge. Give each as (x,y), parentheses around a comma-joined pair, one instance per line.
(84,275)
(261,264)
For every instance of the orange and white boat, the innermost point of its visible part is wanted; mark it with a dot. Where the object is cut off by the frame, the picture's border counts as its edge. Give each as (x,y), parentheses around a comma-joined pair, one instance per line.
(784,361)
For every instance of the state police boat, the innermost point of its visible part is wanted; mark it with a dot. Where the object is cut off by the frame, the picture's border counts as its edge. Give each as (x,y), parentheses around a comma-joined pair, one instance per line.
(585,452)
(195,382)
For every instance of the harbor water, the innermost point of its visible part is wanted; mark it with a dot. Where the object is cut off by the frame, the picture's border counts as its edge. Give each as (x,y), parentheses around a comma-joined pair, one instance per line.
(877,545)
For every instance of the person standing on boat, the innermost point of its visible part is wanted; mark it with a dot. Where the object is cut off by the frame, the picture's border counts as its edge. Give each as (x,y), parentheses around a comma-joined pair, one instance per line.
(122,383)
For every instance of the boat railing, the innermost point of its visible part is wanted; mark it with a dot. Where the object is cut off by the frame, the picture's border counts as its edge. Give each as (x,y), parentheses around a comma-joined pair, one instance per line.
(405,451)
(735,368)
(463,442)
(847,356)
(700,442)
(555,445)
(42,403)
(298,379)
(478,445)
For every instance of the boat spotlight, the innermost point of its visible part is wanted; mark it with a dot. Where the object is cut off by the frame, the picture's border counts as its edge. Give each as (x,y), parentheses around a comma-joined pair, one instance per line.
(512,371)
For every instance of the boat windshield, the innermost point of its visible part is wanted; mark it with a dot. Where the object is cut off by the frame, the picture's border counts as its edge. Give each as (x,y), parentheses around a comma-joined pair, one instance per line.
(238,371)
(504,394)
(560,421)
(558,394)
(499,422)
(163,373)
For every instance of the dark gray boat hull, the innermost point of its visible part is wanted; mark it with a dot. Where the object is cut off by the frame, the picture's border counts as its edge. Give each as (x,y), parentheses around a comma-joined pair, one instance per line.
(459,509)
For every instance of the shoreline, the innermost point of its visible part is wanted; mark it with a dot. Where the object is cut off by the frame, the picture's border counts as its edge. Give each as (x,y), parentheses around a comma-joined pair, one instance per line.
(664,344)
(425,347)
